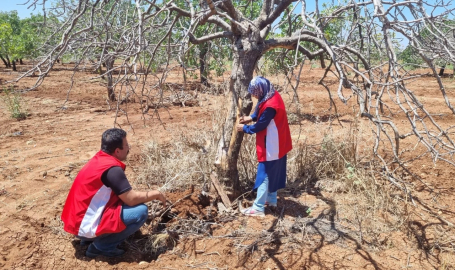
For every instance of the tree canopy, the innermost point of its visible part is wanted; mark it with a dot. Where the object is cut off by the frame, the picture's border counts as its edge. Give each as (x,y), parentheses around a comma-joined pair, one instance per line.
(21,38)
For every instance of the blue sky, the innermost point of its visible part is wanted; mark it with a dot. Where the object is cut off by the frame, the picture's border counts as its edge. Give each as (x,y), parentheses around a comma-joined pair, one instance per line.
(23,12)
(9,5)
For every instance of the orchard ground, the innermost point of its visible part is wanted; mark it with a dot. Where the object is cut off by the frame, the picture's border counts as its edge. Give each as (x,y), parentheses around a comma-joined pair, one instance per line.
(41,155)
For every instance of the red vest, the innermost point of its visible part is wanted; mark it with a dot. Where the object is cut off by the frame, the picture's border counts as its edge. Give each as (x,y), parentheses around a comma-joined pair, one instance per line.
(91,208)
(275,141)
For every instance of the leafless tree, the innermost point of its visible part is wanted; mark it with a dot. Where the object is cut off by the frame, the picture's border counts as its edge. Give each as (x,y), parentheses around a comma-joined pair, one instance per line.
(143,35)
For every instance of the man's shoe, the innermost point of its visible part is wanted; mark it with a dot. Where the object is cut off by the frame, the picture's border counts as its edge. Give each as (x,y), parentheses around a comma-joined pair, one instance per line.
(252,212)
(92,252)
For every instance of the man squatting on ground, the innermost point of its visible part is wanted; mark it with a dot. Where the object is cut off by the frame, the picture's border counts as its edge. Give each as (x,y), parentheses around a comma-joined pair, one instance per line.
(102,209)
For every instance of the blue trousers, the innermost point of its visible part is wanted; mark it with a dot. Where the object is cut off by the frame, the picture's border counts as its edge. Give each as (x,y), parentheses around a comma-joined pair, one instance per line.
(263,195)
(133,217)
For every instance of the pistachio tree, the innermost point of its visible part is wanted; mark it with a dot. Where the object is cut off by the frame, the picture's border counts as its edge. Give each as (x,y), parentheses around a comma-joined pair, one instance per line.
(10,32)
(360,37)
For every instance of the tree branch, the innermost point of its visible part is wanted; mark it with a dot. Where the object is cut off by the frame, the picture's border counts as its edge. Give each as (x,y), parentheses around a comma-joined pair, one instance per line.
(212,18)
(203,39)
(291,42)
(262,23)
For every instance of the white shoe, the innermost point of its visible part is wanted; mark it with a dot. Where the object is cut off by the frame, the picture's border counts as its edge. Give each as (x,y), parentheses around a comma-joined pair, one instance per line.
(252,212)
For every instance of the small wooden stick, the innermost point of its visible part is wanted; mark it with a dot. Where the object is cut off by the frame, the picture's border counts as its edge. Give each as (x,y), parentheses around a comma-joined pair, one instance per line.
(220,191)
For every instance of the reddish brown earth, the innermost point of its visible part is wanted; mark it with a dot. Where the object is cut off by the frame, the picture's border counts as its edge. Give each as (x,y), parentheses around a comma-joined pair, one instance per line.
(39,157)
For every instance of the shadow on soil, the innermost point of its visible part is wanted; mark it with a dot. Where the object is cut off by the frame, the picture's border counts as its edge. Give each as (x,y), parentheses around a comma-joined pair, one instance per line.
(426,238)
(322,230)
(329,232)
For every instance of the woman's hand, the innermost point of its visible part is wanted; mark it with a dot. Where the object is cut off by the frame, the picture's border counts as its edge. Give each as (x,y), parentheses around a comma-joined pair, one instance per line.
(245,119)
(240,127)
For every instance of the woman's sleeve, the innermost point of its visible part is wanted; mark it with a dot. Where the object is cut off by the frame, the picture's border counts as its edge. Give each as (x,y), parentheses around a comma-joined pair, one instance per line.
(254,116)
(262,123)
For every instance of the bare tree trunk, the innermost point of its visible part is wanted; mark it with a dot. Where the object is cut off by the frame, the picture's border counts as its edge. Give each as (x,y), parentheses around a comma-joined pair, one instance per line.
(202,63)
(231,140)
(21,62)
(184,77)
(441,71)
(14,65)
(110,80)
(100,71)
(4,61)
(321,59)
(8,62)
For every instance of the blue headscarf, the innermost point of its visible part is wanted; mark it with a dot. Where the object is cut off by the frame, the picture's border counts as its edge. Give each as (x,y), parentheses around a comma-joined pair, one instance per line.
(261,88)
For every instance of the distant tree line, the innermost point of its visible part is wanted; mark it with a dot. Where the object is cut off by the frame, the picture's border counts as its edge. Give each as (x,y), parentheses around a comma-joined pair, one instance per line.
(21,38)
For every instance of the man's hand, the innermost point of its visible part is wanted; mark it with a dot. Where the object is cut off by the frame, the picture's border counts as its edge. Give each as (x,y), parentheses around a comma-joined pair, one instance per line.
(161,198)
(245,119)
(240,127)
(133,198)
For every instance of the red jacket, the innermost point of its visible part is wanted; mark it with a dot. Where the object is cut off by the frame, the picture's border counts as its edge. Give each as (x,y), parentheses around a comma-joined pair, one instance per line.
(275,141)
(91,208)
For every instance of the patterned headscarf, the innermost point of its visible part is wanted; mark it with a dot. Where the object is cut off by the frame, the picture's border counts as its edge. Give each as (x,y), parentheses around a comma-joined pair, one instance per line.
(261,88)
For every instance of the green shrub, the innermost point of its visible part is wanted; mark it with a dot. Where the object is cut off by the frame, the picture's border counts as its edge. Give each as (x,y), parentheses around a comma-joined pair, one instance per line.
(14,103)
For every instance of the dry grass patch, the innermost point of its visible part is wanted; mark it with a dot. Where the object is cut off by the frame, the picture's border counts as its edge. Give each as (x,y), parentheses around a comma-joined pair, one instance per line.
(335,165)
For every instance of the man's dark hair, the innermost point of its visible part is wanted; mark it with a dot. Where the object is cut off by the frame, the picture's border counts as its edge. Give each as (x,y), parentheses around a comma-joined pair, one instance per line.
(112,139)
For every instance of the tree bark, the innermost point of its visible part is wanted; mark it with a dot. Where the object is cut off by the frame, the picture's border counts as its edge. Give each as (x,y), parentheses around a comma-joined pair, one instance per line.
(100,71)
(4,61)
(202,63)
(321,59)
(20,61)
(14,65)
(441,71)
(110,80)
(247,52)
(8,62)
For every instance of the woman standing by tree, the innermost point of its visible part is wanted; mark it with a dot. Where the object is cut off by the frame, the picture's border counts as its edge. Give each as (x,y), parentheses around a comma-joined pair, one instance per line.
(273,142)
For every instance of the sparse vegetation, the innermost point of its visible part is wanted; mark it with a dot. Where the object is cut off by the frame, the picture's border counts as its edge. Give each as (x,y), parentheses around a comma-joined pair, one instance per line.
(352,183)
(337,169)
(14,103)
(337,198)
(186,161)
